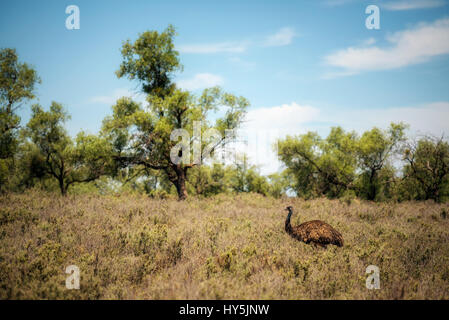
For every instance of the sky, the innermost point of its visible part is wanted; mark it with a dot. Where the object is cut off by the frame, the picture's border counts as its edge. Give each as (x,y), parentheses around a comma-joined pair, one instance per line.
(303,65)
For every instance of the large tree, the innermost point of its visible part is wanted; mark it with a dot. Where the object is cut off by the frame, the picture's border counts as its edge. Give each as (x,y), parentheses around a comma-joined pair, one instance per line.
(142,135)
(320,166)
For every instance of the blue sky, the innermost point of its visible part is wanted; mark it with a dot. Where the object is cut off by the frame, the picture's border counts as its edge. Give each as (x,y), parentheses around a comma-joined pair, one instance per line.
(303,65)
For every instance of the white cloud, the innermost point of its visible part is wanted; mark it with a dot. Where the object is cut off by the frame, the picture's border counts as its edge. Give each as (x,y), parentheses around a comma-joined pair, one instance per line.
(200,81)
(429,118)
(265,125)
(282,38)
(229,47)
(407,47)
(116,94)
(412,4)
(284,117)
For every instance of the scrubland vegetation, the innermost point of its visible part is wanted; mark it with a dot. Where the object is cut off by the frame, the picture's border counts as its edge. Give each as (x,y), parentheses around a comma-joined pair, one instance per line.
(222,247)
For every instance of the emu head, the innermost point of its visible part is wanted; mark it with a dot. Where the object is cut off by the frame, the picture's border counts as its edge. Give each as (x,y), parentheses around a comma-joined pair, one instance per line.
(290,211)
(287,221)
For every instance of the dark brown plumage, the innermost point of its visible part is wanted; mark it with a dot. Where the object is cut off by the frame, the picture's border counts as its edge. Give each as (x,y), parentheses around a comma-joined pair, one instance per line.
(316,232)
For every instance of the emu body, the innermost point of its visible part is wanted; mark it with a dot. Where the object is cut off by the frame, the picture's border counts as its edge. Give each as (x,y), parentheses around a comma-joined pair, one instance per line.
(316,232)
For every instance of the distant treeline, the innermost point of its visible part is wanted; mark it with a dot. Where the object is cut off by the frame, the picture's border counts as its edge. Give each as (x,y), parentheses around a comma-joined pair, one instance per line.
(133,151)
(378,165)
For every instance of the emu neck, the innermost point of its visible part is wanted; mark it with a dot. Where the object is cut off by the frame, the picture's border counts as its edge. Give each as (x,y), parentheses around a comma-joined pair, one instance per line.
(288,226)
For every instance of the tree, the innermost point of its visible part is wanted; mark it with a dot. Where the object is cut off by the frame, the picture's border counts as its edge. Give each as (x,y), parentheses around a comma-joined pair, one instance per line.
(428,167)
(209,180)
(142,136)
(67,161)
(375,149)
(245,177)
(30,166)
(343,161)
(153,60)
(279,184)
(320,166)
(17,84)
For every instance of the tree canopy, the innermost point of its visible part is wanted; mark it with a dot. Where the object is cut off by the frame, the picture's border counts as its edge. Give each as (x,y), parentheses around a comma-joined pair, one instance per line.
(67,161)
(17,84)
(427,168)
(146,136)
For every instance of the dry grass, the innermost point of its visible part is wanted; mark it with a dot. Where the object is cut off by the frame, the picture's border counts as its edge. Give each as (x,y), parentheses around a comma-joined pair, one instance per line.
(133,247)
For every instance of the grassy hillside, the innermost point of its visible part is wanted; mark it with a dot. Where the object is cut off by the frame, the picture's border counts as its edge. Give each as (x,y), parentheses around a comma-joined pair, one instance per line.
(133,247)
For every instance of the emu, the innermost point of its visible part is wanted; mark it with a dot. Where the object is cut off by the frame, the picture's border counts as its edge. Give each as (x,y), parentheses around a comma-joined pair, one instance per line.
(316,232)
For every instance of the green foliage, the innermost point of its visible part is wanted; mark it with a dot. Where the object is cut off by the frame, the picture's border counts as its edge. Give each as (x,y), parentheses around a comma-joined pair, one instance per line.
(279,184)
(9,124)
(374,151)
(58,156)
(29,170)
(17,84)
(246,178)
(320,166)
(344,162)
(427,171)
(240,177)
(17,80)
(5,170)
(151,59)
(255,182)
(46,130)
(209,180)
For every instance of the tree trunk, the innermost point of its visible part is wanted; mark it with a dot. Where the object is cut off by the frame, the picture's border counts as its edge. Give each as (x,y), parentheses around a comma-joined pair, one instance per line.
(434,194)
(181,188)
(62,186)
(372,188)
(180,182)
